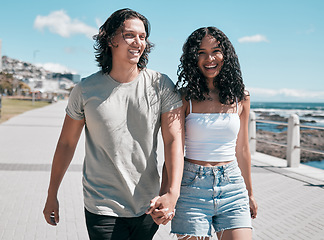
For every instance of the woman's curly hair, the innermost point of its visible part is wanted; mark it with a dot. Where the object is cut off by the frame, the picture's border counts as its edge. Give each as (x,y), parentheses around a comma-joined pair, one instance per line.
(108,31)
(229,81)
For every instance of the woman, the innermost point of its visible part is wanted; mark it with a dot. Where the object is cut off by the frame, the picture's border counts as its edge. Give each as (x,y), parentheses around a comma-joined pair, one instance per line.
(216,188)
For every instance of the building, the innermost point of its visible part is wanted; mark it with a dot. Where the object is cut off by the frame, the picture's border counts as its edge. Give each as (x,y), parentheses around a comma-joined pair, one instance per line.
(75,78)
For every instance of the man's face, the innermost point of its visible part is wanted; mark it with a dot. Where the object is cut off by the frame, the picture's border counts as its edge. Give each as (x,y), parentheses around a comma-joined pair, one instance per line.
(129,43)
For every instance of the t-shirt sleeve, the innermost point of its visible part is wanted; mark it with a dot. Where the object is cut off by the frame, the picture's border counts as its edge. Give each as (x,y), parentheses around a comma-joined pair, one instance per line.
(75,108)
(170,98)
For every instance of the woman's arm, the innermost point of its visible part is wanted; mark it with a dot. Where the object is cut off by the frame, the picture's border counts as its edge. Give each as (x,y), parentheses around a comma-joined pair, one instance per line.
(64,152)
(243,154)
(164,183)
(173,137)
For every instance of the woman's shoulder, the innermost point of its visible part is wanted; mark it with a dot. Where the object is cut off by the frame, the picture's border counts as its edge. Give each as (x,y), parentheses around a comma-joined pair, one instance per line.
(183,91)
(246,99)
(244,104)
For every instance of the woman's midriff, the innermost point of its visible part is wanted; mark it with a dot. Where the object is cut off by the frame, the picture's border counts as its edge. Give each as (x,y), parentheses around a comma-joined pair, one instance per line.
(207,164)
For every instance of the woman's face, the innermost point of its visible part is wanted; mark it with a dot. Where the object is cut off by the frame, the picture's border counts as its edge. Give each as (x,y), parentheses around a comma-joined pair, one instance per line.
(210,57)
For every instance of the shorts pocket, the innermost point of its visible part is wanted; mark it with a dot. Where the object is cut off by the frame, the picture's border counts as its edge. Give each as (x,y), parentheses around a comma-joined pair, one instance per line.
(235,176)
(236,179)
(189,178)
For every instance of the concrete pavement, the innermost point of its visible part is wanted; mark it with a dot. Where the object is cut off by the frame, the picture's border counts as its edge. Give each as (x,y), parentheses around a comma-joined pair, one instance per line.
(291,201)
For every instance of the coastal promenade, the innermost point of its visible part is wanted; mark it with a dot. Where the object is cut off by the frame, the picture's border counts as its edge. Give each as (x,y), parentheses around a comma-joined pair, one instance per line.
(291,200)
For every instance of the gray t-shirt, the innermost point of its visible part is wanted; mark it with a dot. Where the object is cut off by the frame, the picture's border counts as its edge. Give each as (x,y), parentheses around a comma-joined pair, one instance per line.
(122,120)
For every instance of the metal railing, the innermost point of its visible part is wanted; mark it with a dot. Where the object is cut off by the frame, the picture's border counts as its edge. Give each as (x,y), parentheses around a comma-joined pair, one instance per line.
(293,138)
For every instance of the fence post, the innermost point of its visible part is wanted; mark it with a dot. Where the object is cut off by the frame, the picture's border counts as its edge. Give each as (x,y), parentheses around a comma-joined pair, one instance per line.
(252,132)
(293,141)
(0,94)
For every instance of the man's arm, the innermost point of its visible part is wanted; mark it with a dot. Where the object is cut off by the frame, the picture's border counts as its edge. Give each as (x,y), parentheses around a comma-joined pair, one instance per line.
(172,128)
(64,152)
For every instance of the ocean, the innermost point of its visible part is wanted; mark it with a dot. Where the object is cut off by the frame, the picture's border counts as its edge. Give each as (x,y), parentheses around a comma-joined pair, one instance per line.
(311,114)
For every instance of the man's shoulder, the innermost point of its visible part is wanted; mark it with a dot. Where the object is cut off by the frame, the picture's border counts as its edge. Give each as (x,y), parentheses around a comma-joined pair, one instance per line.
(91,78)
(92,81)
(155,76)
(151,73)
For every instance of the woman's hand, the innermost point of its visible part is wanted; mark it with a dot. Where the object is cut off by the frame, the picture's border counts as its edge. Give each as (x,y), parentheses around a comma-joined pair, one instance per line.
(162,208)
(253,207)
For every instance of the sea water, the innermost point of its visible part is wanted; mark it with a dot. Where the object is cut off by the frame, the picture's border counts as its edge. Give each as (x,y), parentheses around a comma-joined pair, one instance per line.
(311,114)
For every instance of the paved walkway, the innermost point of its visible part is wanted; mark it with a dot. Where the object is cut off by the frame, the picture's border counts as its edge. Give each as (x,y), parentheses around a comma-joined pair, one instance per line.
(291,201)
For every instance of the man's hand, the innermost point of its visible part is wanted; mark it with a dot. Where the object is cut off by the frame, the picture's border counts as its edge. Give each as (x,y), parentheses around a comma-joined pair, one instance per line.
(162,208)
(51,211)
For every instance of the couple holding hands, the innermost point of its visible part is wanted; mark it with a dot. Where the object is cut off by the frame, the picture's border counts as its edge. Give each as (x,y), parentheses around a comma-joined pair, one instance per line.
(206,177)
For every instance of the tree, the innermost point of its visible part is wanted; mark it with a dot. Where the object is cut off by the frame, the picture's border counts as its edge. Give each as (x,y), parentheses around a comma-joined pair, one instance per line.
(6,83)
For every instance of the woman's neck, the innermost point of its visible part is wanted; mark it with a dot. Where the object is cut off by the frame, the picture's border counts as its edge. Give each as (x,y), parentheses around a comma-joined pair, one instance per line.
(210,85)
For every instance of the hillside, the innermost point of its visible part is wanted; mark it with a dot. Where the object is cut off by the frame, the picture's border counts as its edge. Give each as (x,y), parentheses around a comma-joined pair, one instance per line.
(21,70)
(20,78)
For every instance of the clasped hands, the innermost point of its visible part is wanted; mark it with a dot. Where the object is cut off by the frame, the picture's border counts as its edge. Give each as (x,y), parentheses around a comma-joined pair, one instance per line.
(162,209)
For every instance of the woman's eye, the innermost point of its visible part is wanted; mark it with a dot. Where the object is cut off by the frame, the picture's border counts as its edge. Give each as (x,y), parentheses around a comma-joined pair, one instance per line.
(218,51)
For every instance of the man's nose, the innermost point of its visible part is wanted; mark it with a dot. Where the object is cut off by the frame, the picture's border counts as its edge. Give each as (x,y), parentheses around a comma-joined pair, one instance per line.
(137,40)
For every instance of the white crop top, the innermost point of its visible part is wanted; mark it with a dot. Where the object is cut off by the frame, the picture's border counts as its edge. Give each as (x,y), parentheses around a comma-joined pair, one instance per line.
(211,137)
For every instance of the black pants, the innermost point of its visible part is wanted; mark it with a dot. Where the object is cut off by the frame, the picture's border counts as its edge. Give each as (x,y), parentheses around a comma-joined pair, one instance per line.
(117,228)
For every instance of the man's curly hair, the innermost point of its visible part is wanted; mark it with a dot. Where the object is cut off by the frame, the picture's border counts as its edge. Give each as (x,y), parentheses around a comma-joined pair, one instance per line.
(229,81)
(108,31)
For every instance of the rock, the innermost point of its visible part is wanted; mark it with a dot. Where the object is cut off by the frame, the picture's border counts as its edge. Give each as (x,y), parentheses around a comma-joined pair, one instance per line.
(309,139)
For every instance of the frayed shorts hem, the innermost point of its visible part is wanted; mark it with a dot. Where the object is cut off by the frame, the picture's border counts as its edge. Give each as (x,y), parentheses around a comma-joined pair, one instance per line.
(231,228)
(184,235)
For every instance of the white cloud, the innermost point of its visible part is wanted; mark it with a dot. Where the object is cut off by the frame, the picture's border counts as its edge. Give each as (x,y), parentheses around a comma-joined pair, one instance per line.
(60,23)
(55,67)
(286,94)
(253,39)
(311,29)
(99,22)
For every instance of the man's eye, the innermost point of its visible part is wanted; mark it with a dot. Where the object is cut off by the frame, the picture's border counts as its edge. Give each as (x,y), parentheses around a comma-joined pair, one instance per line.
(128,35)
(200,53)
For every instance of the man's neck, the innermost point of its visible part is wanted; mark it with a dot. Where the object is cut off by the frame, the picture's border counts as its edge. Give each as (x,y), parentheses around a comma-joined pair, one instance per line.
(124,75)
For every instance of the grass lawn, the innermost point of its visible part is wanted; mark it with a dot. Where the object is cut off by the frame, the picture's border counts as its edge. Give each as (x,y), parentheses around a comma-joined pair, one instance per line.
(13,107)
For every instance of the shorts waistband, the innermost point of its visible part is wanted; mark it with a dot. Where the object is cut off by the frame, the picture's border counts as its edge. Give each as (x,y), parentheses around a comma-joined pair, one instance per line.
(192,167)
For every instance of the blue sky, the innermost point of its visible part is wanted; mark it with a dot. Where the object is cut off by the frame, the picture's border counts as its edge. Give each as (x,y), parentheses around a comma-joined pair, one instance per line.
(280,43)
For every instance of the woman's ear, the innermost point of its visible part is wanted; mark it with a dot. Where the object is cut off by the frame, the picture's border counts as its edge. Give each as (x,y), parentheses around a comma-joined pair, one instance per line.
(112,44)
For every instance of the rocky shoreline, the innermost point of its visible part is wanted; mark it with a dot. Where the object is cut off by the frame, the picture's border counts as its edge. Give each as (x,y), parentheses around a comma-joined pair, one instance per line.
(309,139)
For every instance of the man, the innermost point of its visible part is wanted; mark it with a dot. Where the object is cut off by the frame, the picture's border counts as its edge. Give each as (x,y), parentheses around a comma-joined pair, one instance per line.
(122,108)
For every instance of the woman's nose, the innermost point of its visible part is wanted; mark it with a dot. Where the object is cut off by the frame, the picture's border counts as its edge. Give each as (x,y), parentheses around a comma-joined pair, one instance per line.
(210,57)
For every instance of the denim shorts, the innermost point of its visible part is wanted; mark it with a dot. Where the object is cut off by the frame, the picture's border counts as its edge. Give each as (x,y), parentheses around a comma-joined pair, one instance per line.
(211,196)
